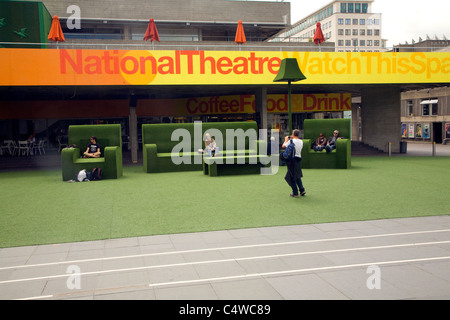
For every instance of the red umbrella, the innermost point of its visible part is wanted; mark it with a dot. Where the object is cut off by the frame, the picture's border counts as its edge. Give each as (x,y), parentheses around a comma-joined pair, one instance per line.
(152,32)
(318,36)
(56,33)
(240,35)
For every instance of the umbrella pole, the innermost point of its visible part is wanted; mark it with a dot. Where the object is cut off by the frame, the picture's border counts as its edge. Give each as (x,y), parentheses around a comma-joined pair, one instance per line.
(290,107)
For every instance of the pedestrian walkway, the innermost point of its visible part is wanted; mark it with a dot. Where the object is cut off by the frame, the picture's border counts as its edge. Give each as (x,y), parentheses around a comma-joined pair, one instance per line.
(426,149)
(405,258)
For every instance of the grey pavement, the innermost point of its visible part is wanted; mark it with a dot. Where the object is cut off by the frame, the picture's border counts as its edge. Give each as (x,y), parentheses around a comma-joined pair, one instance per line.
(406,258)
(426,149)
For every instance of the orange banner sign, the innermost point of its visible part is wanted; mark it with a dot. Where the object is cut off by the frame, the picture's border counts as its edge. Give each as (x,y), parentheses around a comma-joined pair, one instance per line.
(47,67)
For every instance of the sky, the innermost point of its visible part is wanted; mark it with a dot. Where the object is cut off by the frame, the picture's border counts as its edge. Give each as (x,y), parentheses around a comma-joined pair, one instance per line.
(402,20)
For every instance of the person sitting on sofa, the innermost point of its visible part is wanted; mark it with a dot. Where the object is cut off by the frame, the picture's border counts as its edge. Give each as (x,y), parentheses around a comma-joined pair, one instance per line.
(210,146)
(93,149)
(321,142)
(331,143)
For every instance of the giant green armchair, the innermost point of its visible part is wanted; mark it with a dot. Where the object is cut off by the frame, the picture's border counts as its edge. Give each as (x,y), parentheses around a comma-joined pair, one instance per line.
(340,158)
(110,139)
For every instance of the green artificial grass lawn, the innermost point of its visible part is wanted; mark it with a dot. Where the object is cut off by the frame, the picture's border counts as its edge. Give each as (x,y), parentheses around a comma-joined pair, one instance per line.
(39,208)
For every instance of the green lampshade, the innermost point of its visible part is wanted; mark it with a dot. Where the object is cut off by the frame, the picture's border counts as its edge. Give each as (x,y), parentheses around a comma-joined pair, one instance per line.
(289,71)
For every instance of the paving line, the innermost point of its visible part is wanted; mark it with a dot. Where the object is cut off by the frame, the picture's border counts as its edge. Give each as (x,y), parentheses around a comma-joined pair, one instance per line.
(220,261)
(223,248)
(259,275)
(295,271)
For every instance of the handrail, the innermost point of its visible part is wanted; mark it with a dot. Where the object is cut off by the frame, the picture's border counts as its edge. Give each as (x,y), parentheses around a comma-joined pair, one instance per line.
(228,45)
(157,46)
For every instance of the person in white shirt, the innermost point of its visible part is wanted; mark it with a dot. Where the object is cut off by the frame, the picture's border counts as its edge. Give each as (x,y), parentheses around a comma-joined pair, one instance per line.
(294,169)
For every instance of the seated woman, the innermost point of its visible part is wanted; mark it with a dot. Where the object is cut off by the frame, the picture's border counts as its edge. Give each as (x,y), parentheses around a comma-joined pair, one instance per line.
(321,142)
(210,146)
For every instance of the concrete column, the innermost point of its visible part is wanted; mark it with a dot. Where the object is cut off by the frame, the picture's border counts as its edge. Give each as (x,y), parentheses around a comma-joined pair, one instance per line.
(380,117)
(132,119)
(261,107)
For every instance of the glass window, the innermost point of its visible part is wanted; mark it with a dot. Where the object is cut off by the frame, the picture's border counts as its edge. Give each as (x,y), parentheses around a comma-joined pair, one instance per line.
(350,8)
(340,21)
(362,32)
(364,7)
(348,21)
(362,22)
(409,108)
(348,43)
(348,32)
(343,7)
(434,109)
(362,43)
(340,43)
(369,32)
(355,22)
(340,32)
(355,32)
(430,107)
(377,32)
(357,7)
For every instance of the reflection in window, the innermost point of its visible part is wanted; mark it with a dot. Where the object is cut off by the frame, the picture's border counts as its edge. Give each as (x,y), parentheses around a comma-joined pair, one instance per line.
(350,8)
(364,7)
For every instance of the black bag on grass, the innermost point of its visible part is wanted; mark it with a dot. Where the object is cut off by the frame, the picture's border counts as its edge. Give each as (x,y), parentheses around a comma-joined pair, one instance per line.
(97,174)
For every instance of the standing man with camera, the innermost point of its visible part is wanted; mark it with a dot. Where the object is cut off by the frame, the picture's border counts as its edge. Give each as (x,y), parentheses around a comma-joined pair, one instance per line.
(294,169)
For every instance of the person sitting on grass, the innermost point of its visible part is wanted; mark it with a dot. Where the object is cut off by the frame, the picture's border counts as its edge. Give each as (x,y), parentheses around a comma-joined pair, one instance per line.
(93,149)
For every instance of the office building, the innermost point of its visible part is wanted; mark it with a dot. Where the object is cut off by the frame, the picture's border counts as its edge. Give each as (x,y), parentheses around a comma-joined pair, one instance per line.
(352,26)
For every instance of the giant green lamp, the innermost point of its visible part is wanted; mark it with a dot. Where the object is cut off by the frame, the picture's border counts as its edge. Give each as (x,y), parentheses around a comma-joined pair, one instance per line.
(289,72)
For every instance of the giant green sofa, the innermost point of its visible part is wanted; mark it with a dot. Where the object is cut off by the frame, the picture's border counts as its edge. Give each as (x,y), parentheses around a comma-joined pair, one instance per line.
(110,139)
(339,158)
(174,147)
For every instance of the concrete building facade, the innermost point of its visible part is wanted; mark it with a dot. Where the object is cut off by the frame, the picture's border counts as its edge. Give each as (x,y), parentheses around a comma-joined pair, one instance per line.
(351,25)
(425,115)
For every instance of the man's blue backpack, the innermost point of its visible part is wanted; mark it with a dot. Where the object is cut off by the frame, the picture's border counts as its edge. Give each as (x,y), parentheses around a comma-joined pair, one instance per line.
(289,153)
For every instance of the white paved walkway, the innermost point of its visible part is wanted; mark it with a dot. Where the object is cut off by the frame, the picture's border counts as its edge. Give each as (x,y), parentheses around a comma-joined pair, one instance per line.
(383,259)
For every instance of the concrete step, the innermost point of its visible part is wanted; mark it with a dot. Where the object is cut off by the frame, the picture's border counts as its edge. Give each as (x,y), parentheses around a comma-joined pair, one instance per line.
(362,149)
